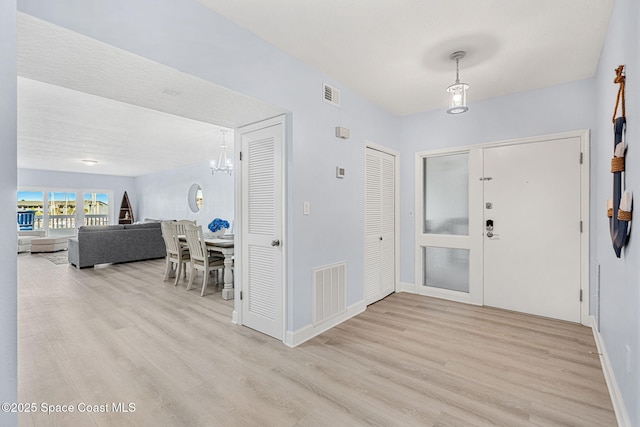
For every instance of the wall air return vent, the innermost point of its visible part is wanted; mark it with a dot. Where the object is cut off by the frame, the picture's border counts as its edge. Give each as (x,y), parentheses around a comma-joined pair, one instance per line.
(329,292)
(331,95)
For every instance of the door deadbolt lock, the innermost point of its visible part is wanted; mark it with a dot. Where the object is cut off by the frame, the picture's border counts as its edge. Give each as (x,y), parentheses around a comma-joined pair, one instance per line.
(489,228)
(489,205)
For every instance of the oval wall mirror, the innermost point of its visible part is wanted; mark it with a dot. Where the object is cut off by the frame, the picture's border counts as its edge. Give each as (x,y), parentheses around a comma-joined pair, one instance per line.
(195,197)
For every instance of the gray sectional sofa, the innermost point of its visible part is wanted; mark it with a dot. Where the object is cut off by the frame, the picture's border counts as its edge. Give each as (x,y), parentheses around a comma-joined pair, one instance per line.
(116,243)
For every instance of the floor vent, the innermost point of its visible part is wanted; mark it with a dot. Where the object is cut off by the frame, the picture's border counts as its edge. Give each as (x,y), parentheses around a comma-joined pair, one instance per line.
(331,95)
(329,292)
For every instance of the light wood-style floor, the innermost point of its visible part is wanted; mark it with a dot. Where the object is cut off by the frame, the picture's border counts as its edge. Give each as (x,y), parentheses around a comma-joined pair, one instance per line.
(119,334)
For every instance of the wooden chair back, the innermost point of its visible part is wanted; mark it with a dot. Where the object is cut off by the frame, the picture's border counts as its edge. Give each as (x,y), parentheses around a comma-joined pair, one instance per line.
(195,241)
(180,226)
(170,237)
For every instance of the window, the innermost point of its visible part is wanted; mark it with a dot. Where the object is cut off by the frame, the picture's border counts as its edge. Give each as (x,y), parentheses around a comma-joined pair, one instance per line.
(59,213)
(62,210)
(30,210)
(96,209)
(446,268)
(446,189)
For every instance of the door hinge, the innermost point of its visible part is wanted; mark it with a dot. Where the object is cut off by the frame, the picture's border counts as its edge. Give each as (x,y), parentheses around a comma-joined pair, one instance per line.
(581,228)
(581,157)
(240,295)
(580,295)
(241,156)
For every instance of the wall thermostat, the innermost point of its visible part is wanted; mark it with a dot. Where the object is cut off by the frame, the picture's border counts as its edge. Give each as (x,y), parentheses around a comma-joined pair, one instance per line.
(342,132)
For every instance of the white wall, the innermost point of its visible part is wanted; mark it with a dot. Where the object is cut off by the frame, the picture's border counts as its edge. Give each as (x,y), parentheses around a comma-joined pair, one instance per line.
(550,110)
(8,257)
(620,279)
(189,37)
(164,195)
(35,178)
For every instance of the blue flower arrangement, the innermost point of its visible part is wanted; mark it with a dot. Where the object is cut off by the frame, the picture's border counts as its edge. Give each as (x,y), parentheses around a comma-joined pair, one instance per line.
(217,224)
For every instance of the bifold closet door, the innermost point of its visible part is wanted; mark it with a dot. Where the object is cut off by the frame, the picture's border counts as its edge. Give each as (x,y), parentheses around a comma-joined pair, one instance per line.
(380,245)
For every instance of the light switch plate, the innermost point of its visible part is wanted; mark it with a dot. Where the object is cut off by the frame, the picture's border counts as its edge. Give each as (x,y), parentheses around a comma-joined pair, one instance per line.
(339,172)
(306,208)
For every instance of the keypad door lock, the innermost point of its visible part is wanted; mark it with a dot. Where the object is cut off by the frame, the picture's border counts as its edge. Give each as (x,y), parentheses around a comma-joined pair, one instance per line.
(489,228)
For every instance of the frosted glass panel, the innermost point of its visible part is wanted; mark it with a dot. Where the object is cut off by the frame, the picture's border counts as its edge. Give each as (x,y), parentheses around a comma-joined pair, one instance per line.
(446,194)
(446,268)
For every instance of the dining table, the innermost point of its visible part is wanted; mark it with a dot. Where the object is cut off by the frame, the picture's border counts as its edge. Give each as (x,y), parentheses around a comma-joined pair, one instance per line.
(225,247)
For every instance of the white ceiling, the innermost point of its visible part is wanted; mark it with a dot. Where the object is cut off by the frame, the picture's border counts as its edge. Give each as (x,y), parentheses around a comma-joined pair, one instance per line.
(60,127)
(82,99)
(141,117)
(396,52)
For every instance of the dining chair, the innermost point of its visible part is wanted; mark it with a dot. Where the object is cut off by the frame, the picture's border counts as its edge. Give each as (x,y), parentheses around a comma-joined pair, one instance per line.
(200,258)
(176,253)
(180,226)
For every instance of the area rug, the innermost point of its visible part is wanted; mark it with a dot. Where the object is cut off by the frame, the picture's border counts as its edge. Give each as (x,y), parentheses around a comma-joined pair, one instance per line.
(60,257)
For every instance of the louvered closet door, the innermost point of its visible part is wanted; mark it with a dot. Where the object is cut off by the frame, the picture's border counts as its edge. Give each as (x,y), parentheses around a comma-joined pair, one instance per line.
(262,244)
(380,245)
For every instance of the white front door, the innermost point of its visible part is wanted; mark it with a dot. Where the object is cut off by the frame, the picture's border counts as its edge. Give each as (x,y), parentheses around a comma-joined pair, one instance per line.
(262,246)
(532,200)
(534,194)
(380,230)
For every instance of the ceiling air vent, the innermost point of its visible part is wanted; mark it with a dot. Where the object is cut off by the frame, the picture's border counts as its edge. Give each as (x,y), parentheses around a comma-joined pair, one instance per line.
(331,95)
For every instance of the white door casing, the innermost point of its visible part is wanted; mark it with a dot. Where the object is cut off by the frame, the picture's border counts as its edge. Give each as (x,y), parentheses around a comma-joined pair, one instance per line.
(380,255)
(532,261)
(262,244)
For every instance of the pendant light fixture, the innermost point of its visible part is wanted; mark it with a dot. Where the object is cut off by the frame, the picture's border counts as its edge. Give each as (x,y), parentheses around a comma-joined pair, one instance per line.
(224,165)
(457,91)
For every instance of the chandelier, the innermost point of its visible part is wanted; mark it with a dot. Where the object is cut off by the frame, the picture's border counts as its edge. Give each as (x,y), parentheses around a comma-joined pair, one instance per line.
(224,164)
(457,91)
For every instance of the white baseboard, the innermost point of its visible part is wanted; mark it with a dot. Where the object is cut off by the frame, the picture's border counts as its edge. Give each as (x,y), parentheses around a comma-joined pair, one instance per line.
(407,287)
(616,397)
(296,338)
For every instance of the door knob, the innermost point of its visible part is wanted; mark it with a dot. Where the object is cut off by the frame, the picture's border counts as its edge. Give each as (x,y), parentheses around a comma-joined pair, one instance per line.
(275,243)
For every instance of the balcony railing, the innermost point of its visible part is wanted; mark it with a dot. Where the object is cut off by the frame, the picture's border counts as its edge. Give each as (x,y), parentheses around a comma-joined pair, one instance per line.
(62,221)
(69,221)
(95,219)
